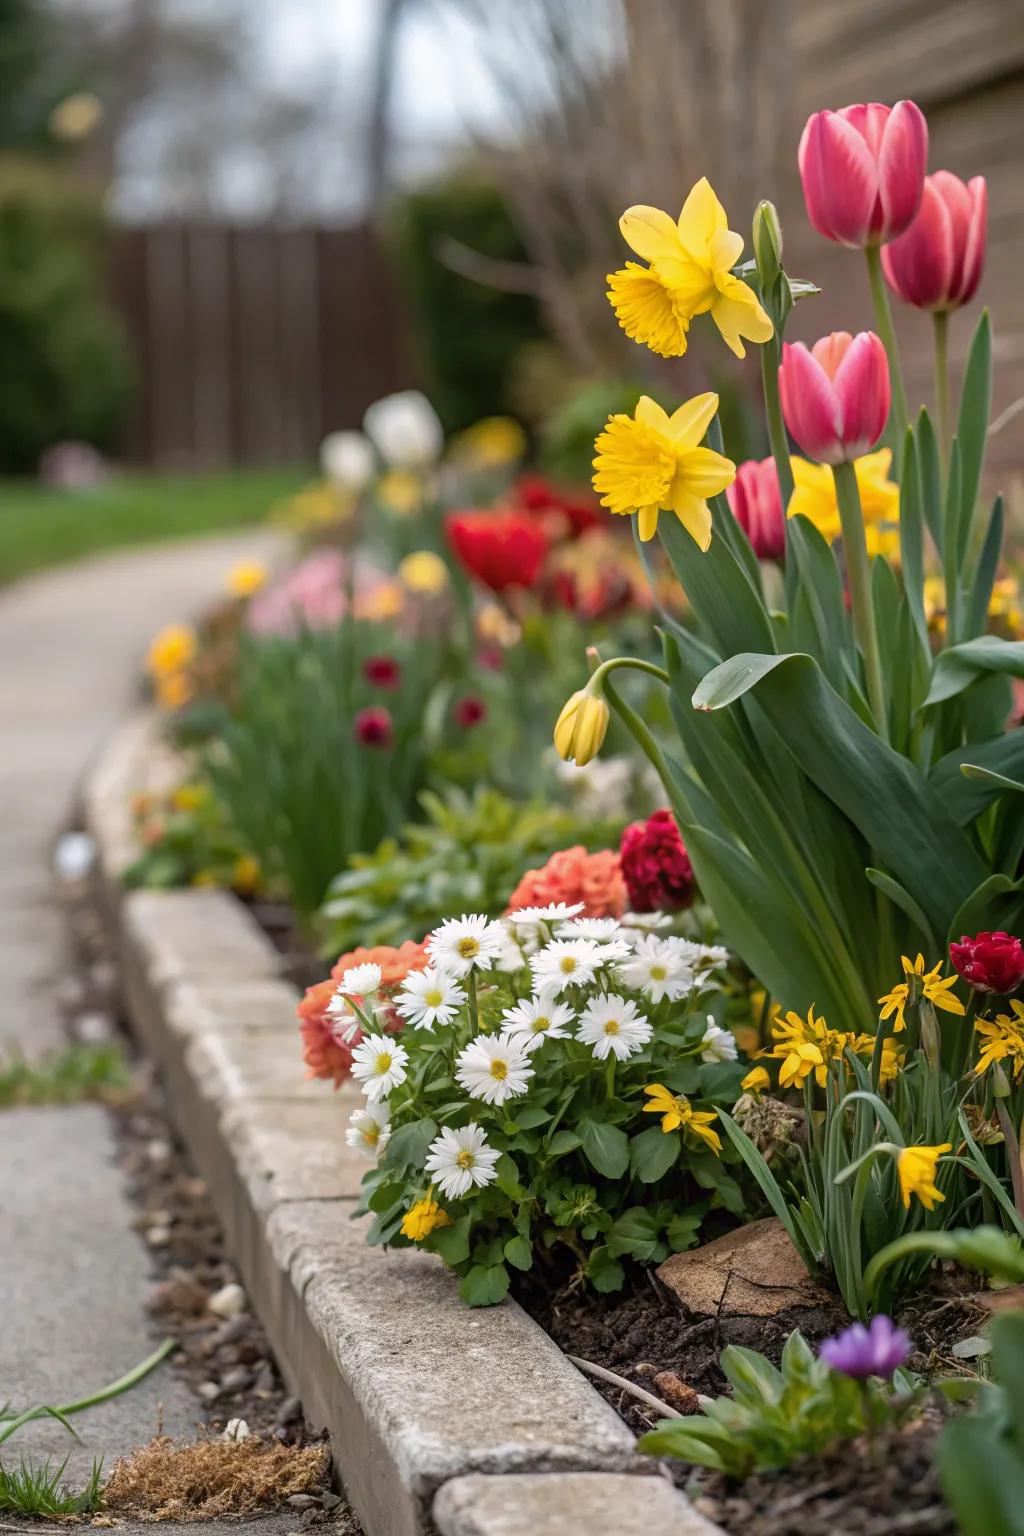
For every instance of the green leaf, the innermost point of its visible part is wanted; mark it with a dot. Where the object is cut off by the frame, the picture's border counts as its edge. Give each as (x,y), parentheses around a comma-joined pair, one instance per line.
(604,1272)
(605,1147)
(682,1231)
(720,589)
(958,667)
(407,1147)
(929,475)
(519,1253)
(652,1153)
(912,537)
(451,1243)
(902,898)
(528,1118)
(995,904)
(635,1232)
(982,1477)
(976,616)
(508,1176)
(973,422)
(690,1439)
(484,1285)
(562,1142)
(972,776)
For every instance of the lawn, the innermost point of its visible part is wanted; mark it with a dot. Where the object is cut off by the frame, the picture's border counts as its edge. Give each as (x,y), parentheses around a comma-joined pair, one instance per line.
(40,526)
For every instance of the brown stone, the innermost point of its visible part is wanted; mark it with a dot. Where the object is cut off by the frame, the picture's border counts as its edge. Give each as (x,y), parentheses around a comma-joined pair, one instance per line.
(753,1272)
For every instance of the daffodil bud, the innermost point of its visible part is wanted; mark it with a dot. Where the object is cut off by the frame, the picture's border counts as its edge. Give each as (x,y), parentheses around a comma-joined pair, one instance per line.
(767,240)
(582,726)
(1000,1082)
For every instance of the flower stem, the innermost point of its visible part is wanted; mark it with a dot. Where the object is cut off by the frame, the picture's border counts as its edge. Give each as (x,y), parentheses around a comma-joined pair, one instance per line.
(609,1081)
(883,315)
(1012,1142)
(474,1007)
(940,322)
(773,416)
(858,574)
(641,735)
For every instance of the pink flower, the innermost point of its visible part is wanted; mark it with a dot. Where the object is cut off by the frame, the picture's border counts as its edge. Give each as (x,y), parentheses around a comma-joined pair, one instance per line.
(835,398)
(862,170)
(757,507)
(990,962)
(937,263)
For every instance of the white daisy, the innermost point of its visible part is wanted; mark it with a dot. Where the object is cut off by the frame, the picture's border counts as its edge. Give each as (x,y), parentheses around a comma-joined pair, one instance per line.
(612,1024)
(342,1022)
(537,1019)
(378,1062)
(699,957)
(718,1044)
(429,997)
(657,970)
(646,922)
(514,947)
(590,928)
(464,944)
(460,1160)
(554,912)
(614,949)
(493,1068)
(369,1129)
(360,981)
(564,962)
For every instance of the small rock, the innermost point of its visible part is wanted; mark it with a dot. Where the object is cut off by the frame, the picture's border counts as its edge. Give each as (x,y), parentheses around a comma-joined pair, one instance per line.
(209,1391)
(302,1500)
(158,1237)
(94,1027)
(158,1150)
(178,1293)
(230,1331)
(289,1412)
(229,1301)
(673,1390)
(753,1272)
(195,1188)
(330,1500)
(264,1382)
(73,856)
(236,1429)
(236,1380)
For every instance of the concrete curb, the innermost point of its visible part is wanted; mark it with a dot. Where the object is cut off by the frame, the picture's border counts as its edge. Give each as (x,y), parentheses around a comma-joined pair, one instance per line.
(468,1423)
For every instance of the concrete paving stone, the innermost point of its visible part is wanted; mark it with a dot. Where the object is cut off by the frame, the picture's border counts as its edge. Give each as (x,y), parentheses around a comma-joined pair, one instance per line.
(197,933)
(566,1504)
(73,1279)
(252,1064)
(204,1007)
(287,1150)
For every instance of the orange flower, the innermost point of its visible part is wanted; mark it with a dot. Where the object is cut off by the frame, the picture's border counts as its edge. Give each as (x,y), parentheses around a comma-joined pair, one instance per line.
(324,1055)
(395,964)
(575,875)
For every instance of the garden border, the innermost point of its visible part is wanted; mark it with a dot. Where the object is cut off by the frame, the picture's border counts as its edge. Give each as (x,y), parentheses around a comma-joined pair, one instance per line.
(442,1419)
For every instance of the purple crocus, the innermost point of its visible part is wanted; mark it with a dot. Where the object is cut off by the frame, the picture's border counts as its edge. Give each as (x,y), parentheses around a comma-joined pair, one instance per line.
(861,1352)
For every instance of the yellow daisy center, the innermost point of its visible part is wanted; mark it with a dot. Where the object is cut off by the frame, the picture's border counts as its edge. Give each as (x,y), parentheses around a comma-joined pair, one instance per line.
(567,964)
(611,1027)
(433,998)
(658,973)
(468,947)
(465,1158)
(383,1062)
(540,1024)
(499,1069)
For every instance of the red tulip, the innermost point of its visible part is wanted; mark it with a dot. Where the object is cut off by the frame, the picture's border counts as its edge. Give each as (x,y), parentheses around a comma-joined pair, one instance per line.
(757,507)
(373,727)
(937,262)
(835,398)
(501,548)
(862,170)
(470,711)
(382,672)
(990,962)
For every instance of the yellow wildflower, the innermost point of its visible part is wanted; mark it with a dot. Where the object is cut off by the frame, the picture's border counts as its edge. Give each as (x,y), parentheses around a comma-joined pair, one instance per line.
(247,577)
(400,492)
(935,602)
(757,1080)
(814,497)
(190,797)
(652,462)
(678,1114)
(916,1166)
(690,273)
(245,876)
(806,1046)
(173,648)
(1005,602)
(581,727)
(490,442)
(173,690)
(424,572)
(1003,1039)
(205,877)
(421,1219)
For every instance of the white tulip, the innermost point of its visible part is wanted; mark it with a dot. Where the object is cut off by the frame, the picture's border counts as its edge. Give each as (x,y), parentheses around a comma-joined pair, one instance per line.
(405,429)
(347,460)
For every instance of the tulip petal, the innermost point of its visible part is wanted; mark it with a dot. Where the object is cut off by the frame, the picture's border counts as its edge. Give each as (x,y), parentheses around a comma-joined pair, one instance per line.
(688,424)
(649,232)
(920,265)
(810,405)
(839,178)
(861,386)
(902,161)
(977,232)
(702,218)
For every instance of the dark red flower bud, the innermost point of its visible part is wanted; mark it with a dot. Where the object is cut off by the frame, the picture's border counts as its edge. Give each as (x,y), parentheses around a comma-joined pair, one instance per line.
(373,727)
(470,711)
(382,672)
(656,866)
(990,962)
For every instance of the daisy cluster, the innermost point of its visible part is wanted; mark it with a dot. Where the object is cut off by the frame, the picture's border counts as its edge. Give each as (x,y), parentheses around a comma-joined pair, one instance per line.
(493,997)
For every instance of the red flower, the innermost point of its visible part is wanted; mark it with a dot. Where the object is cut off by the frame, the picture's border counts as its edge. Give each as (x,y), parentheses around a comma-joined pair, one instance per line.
(382,672)
(373,727)
(538,495)
(470,711)
(501,548)
(656,865)
(990,962)
(491,657)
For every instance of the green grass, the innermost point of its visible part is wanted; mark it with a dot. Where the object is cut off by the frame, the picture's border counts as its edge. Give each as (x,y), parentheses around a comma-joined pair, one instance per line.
(40,527)
(67,1076)
(37,1488)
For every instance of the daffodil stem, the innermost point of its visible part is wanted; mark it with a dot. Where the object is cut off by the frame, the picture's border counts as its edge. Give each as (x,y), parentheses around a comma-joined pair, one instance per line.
(940,322)
(858,573)
(600,673)
(777,438)
(641,735)
(883,315)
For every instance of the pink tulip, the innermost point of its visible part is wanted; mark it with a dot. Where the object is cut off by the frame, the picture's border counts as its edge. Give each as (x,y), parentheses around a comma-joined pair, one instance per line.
(836,397)
(757,507)
(937,262)
(862,170)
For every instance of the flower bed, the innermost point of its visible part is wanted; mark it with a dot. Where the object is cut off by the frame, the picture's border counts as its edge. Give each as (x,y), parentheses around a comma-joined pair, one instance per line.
(580,1053)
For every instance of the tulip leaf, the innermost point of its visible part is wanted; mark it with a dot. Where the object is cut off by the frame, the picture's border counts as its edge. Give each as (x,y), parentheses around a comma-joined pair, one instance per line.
(728,605)
(912,537)
(996,903)
(900,897)
(951,558)
(976,616)
(972,424)
(982,1477)
(972,776)
(929,476)
(959,666)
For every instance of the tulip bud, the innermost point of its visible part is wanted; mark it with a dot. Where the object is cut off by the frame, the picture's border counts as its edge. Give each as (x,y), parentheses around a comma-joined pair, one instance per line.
(756,503)
(862,171)
(937,263)
(835,397)
(767,242)
(581,727)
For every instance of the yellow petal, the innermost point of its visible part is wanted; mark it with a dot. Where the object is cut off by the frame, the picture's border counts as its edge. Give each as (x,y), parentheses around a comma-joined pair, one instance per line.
(702,218)
(648,310)
(725,250)
(704,472)
(649,232)
(693,513)
(652,415)
(647,523)
(688,424)
(738,315)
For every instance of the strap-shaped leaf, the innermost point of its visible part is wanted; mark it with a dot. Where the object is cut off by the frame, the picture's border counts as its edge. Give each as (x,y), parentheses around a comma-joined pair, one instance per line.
(957,667)
(728,605)
(897,812)
(912,536)
(972,424)
(996,903)
(971,777)
(976,612)
(929,475)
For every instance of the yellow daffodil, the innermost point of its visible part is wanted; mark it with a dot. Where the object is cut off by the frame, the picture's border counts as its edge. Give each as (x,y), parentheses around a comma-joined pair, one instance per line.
(678,1114)
(1003,1039)
(814,497)
(173,648)
(424,572)
(400,492)
(919,983)
(916,1166)
(935,602)
(496,627)
(757,1080)
(491,442)
(689,274)
(581,727)
(652,462)
(246,578)
(421,1219)
(806,1046)
(895,1002)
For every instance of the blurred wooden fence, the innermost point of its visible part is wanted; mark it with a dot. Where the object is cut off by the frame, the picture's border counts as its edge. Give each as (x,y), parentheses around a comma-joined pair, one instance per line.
(251,343)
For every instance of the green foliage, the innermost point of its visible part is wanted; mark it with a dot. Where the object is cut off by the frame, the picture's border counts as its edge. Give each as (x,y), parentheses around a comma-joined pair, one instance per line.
(468,854)
(981,1454)
(65,1077)
(37,1489)
(468,333)
(63,363)
(188,839)
(774,1416)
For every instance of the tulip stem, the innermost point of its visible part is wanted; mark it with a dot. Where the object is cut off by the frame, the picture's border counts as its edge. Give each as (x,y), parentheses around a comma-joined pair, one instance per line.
(773,415)
(858,574)
(941,327)
(883,314)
